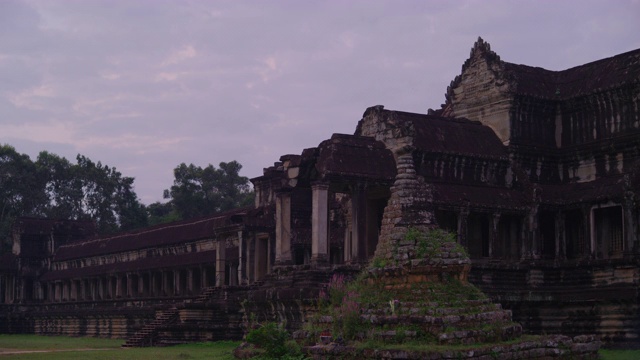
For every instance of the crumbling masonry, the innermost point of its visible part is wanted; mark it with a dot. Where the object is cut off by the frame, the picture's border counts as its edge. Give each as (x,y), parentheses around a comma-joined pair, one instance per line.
(536,171)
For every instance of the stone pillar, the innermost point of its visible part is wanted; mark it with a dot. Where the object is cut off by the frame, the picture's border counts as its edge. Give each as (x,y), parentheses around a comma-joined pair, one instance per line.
(119,293)
(561,248)
(165,286)
(251,258)
(355,248)
(283,228)
(176,282)
(73,290)
(65,290)
(629,223)
(320,224)
(532,251)
(261,249)
(50,292)
(221,252)
(129,287)
(493,234)
(241,278)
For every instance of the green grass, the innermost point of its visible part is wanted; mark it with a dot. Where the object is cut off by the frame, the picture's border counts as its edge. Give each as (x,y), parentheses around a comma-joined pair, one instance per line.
(67,348)
(619,354)
(107,349)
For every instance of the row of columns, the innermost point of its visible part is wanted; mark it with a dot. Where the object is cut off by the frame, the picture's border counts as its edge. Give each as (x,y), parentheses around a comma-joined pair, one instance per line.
(253,264)
(179,282)
(319,226)
(559,234)
(356,244)
(254,258)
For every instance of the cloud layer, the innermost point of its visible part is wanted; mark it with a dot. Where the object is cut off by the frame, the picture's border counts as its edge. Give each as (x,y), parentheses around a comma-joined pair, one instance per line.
(146,85)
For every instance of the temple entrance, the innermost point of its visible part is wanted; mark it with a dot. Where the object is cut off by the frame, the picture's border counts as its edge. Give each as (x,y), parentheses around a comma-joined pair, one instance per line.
(608,232)
(478,235)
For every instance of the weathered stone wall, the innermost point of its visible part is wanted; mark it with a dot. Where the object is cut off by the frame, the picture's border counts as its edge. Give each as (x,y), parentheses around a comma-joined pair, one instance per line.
(600,115)
(80,322)
(598,297)
(482,92)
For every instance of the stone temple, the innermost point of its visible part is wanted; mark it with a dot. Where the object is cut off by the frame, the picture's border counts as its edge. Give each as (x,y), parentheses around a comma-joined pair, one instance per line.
(536,171)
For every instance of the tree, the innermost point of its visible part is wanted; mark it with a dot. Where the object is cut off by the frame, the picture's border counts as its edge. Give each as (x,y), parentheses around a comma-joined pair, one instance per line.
(62,186)
(159,213)
(56,188)
(21,192)
(108,197)
(199,192)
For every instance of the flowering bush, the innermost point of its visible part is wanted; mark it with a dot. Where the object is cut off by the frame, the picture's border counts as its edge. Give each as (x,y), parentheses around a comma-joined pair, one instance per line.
(349,314)
(337,288)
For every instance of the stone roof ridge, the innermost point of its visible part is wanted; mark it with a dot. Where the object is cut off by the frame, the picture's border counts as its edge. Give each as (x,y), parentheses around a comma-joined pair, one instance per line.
(159,227)
(352,140)
(483,49)
(579,80)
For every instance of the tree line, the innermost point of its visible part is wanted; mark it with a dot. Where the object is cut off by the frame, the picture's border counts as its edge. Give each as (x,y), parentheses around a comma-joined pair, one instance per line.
(54,187)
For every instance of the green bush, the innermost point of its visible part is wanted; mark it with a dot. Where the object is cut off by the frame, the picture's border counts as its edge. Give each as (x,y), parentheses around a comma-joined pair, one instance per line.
(275,342)
(271,338)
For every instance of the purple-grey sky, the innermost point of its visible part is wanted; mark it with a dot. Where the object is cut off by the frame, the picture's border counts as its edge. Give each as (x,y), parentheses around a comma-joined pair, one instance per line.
(146,85)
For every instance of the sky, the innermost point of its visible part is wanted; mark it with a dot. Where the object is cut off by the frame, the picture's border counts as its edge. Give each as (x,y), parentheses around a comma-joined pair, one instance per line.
(146,85)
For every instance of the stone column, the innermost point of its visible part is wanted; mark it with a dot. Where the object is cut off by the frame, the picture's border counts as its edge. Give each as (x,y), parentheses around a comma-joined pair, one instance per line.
(129,288)
(356,250)
(261,249)
(221,252)
(176,282)
(561,248)
(283,228)
(251,240)
(241,279)
(493,233)
(630,226)
(320,224)
(203,277)
(165,286)
(73,290)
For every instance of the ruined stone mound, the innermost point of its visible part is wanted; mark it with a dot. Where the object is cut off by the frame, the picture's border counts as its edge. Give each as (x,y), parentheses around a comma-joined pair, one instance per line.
(424,308)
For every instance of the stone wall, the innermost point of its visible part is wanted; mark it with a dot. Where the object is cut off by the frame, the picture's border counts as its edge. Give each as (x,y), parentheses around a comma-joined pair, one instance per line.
(592,297)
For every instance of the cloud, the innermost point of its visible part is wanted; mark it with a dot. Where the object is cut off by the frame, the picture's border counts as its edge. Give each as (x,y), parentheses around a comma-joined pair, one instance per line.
(35,98)
(178,56)
(146,87)
(52,131)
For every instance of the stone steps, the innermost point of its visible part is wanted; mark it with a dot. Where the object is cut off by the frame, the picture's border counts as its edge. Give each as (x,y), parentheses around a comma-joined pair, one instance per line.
(145,336)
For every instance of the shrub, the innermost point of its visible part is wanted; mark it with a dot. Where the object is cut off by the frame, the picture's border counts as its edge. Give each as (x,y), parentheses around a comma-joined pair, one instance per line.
(271,338)
(337,289)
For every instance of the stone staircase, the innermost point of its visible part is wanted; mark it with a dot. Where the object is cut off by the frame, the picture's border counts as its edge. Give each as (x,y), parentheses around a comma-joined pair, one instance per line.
(146,336)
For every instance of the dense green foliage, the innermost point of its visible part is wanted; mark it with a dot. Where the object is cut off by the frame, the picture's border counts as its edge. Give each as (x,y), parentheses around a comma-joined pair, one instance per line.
(54,187)
(273,342)
(198,191)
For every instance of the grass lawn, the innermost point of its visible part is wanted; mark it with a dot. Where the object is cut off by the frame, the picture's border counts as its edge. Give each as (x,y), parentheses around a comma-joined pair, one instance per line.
(620,354)
(62,348)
